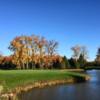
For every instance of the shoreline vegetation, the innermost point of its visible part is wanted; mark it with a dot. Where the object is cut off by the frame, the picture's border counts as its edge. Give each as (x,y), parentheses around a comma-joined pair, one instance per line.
(14,82)
(37,52)
(35,62)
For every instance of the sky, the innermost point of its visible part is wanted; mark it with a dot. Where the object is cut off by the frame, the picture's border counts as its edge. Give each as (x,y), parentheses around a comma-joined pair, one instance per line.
(70,22)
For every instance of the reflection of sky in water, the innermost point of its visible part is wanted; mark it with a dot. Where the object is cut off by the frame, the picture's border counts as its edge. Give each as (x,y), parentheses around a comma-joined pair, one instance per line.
(80,91)
(95,75)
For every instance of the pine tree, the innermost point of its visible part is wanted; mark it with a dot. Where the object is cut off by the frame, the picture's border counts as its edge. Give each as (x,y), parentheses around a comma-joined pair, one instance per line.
(66,62)
(81,61)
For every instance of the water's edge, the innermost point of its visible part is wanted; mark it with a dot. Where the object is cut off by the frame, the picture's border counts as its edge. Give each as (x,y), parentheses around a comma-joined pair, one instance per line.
(13,95)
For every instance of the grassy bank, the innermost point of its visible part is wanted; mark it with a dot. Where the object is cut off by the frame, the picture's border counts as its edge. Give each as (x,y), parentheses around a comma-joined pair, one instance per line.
(92,68)
(14,78)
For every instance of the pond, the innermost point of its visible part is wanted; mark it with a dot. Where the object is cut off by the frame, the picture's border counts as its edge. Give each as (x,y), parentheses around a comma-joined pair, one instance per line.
(89,90)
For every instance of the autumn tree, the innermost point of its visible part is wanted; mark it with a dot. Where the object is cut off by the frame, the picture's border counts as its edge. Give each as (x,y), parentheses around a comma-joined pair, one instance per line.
(51,50)
(30,51)
(27,50)
(34,50)
(57,62)
(15,48)
(17,45)
(41,50)
(1,60)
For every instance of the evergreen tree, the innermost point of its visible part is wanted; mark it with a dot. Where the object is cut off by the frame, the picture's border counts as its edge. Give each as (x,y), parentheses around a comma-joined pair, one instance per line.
(66,62)
(57,64)
(81,61)
(97,60)
(73,63)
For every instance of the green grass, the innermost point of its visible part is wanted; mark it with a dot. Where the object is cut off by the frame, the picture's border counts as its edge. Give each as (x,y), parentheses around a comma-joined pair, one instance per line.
(12,78)
(92,68)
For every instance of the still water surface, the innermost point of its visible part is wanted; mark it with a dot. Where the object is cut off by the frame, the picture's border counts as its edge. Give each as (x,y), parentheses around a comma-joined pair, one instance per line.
(80,91)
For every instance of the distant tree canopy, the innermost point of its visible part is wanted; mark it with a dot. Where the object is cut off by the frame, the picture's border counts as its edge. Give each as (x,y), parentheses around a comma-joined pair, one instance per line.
(79,50)
(36,52)
(79,57)
(6,62)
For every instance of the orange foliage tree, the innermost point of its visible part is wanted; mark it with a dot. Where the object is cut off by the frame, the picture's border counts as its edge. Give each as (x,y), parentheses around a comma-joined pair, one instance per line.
(31,50)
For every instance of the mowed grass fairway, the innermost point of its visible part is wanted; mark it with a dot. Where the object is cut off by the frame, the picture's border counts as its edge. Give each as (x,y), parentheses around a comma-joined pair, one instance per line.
(10,79)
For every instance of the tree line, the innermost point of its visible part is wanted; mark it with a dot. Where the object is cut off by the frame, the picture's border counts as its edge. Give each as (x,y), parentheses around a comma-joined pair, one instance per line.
(36,52)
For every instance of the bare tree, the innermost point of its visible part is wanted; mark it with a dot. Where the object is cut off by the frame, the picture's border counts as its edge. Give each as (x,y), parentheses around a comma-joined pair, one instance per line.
(51,50)
(51,47)
(84,52)
(76,50)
